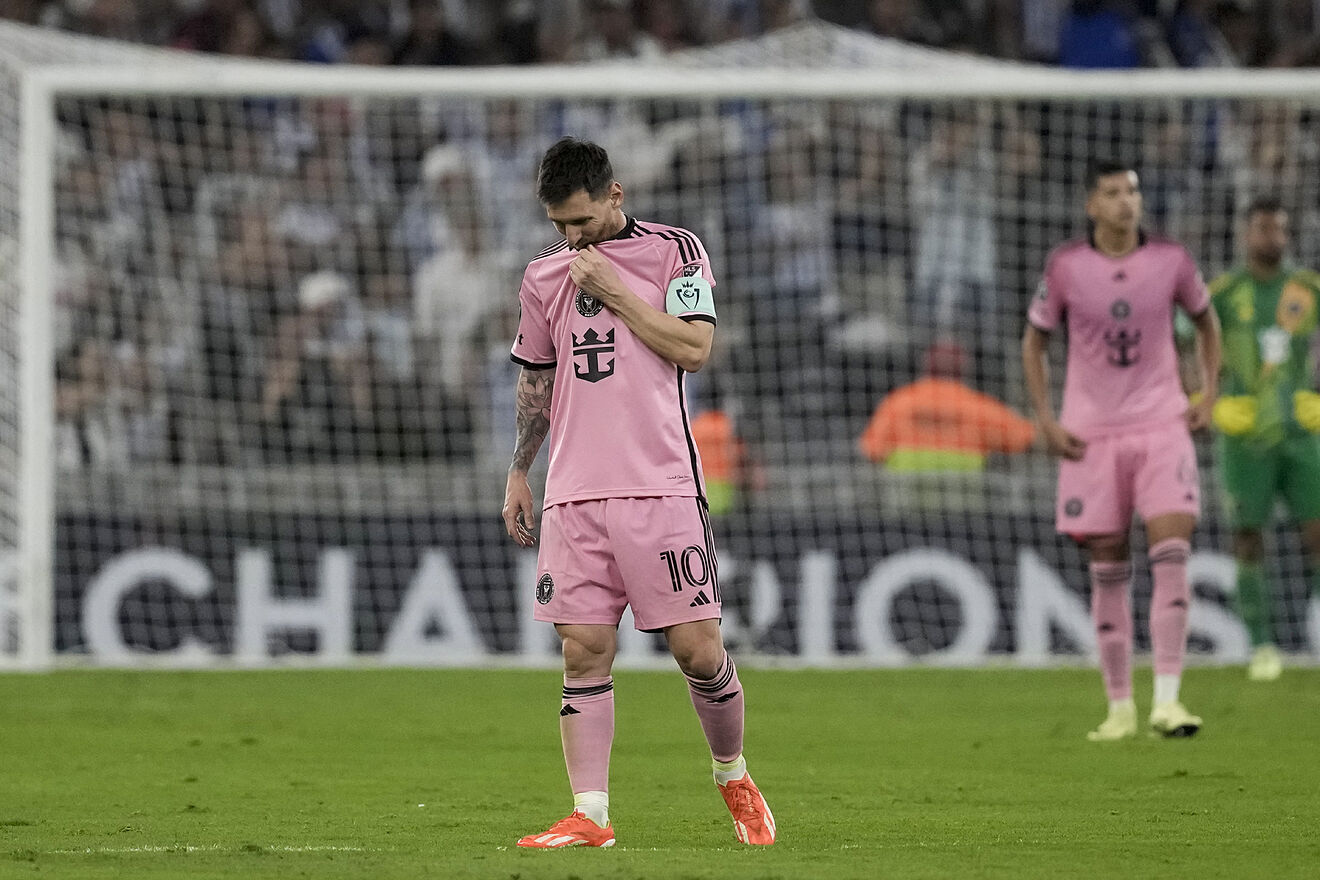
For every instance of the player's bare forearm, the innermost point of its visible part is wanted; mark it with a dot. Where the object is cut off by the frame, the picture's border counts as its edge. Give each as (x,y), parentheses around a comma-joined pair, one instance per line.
(686,344)
(533,394)
(1209,352)
(1208,357)
(1057,439)
(1034,342)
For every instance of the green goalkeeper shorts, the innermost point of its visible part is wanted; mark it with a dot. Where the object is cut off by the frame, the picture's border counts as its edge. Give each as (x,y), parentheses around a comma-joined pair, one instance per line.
(1255,477)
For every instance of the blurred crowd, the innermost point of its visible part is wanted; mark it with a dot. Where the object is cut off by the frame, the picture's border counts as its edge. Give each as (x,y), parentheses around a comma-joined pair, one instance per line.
(268,281)
(1073,33)
(280,281)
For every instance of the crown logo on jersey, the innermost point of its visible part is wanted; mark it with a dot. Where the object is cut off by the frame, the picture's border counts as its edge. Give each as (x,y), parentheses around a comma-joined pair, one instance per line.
(590,348)
(688,293)
(1123,345)
(587,305)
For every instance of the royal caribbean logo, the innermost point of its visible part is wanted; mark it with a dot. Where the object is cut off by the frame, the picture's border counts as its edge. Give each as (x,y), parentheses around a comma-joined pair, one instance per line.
(591,348)
(1123,347)
(587,305)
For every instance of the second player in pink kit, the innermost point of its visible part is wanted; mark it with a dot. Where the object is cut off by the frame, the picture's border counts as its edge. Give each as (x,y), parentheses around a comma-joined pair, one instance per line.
(612,318)
(1123,436)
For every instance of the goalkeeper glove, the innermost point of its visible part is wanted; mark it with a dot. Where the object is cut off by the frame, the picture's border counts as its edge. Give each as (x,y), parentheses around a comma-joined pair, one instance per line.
(1306,409)
(1235,415)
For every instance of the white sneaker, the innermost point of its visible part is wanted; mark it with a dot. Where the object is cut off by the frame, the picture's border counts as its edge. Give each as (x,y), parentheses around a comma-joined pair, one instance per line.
(1172,719)
(1266,664)
(1121,724)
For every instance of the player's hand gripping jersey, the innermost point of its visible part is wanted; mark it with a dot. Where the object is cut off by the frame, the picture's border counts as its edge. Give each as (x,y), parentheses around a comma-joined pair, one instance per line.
(628,435)
(1122,362)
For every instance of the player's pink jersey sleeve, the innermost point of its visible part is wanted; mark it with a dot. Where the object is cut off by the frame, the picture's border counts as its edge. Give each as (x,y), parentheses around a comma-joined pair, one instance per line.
(534,346)
(1048,305)
(1193,295)
(690,277)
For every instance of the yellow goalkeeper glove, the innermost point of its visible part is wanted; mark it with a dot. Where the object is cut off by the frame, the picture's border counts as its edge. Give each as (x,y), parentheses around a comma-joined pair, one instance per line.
(1306,409)
(1235,415)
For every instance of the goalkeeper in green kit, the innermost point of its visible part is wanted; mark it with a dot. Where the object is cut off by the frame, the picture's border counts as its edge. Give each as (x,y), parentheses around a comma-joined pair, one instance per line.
(1268,414)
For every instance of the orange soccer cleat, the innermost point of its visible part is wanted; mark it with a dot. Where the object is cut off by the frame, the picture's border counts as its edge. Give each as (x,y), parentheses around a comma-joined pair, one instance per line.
(752,819)
(573,830)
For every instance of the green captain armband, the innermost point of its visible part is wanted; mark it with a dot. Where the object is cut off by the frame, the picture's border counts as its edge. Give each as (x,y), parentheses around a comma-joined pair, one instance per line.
(688,295)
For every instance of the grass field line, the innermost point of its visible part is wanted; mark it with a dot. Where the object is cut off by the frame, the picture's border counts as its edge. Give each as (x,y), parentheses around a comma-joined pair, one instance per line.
(207,848)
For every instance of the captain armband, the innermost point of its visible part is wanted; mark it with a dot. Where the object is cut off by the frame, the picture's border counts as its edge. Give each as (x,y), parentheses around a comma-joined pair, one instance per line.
(691,295)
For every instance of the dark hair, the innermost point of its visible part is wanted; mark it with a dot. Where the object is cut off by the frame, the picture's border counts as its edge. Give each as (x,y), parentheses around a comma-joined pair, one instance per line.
(571,165)
(1098,168)
(1266,203)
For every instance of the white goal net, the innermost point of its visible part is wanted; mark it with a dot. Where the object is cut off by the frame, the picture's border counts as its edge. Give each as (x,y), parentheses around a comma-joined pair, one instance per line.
(258,319)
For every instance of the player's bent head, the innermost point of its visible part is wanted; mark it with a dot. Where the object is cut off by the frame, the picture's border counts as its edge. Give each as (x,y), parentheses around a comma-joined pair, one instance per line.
(572,165)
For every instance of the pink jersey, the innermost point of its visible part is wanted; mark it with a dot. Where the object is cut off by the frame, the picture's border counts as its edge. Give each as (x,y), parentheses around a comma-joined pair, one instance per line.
(1122,363)
(618,420)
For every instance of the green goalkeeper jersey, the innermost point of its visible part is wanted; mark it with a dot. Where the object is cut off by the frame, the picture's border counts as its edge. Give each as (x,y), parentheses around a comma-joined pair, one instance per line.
(1267,331)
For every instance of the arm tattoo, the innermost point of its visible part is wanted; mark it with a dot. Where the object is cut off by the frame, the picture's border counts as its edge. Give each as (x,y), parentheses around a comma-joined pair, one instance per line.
(535,388)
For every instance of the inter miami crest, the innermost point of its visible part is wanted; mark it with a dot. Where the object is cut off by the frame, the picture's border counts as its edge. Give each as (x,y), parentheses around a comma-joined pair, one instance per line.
(545,589)
(1073,507)
(587,305)
(1120,309)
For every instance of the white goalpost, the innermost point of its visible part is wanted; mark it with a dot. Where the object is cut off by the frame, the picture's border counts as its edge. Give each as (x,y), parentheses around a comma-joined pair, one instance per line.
(256,319)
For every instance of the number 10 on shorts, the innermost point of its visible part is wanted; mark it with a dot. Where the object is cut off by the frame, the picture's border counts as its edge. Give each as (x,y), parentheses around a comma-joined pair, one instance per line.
(690,566)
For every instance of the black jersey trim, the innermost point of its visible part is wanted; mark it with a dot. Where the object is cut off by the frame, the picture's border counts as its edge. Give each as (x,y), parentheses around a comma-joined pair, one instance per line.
(532,365)
(700,316)
(703,511)
(552,249)
(629,230)
(687,435)
(686,242)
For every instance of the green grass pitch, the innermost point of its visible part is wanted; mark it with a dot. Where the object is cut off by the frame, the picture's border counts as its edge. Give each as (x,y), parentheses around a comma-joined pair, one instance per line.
(921,773)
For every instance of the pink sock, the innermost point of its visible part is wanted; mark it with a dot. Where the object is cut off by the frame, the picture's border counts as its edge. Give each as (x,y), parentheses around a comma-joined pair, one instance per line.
(586,726)
(1110,609)
(719,705)
(1169,601)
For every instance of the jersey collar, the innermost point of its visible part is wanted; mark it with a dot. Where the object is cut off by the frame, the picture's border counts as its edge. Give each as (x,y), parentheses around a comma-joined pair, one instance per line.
(628,230)
(1090,237)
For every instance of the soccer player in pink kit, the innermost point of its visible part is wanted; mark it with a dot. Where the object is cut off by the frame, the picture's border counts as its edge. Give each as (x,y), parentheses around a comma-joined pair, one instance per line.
(613,317)
(1123,436)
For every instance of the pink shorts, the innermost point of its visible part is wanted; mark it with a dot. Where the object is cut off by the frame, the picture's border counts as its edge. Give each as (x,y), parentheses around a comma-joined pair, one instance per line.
(1151,470)
(655,554)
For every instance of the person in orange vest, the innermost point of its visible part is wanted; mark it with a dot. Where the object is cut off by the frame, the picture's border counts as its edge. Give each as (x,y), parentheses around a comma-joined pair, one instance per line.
(938,423)
(725,462)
